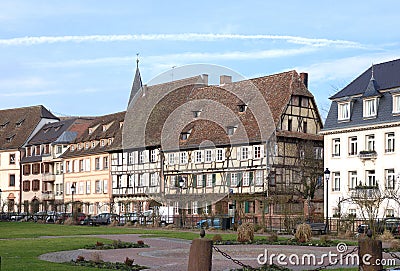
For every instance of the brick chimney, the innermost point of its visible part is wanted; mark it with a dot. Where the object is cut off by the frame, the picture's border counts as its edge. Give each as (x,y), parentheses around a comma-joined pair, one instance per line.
(304,78)
(225,79)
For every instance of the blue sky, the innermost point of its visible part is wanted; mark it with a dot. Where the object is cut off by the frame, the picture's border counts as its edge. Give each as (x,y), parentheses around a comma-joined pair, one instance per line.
(79,57)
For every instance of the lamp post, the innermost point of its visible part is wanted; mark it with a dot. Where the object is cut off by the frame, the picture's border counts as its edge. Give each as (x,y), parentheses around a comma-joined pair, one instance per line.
(181,184)
(1,208)
(72,193)
(327,175)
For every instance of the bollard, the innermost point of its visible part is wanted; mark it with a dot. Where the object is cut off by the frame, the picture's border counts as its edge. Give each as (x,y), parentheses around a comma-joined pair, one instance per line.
(369,253)
(200,255)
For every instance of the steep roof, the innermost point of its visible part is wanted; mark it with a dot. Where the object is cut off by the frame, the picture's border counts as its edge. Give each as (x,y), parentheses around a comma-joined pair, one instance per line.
(265,98)
(387,76)
(102,127)
(18,124)
(137,83)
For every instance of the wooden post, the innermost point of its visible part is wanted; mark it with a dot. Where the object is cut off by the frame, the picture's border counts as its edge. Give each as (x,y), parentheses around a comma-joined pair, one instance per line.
(200,256)
(369,253)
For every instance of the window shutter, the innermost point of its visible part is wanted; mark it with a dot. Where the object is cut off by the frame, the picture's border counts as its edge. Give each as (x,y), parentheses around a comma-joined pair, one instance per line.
(239,178)
(214,179)
(246,207)
(204,180)
(251,177)
(194,180)
(228,179)
(238,156)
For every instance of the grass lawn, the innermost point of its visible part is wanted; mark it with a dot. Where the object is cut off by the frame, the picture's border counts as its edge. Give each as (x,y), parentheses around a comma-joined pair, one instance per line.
(20,245)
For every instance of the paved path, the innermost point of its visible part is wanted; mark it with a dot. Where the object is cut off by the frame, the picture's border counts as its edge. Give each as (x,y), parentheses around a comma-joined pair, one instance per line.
(166,254)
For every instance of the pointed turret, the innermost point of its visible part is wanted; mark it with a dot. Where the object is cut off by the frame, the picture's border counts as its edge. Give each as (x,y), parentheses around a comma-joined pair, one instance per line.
(137,81)
(372,88)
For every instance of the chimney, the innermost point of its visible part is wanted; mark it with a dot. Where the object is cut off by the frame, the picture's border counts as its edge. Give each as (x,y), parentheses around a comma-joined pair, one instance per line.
(225,79)
(304,78)
(144,90)
(205,79)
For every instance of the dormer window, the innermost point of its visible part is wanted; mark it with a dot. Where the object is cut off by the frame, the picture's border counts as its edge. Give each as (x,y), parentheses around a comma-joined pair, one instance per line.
(87,145)
(121,124)
(102,142)
(242,107)
(344,111)
(4,124)
(10,138)
(90,131)
(196,113)
(230,130)
(370,108)
(396,104)
(19,123)
(185,135)
(93,144)
(72,147)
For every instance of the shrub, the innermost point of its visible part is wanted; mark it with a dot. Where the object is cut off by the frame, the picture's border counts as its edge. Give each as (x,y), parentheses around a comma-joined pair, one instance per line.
(324,239)
(80,258)
(113,223)
(303,233)
(245,232)
(217,238)
(386,236)
(117,243)
(99,244)
(128,261)
(140,242)
(96,257)
(273,237)
(395,244)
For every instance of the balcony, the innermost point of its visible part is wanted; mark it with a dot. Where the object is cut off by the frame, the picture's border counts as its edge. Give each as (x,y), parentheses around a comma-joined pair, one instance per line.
(367,155)
(48,195)
(49,177)
(366,192)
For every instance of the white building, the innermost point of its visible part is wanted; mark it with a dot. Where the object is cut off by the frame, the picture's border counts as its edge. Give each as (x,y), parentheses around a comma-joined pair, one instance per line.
(361,149)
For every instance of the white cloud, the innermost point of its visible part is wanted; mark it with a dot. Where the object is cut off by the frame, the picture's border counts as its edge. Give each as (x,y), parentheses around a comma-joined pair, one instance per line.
(24,83)
(28,93)
(178,37)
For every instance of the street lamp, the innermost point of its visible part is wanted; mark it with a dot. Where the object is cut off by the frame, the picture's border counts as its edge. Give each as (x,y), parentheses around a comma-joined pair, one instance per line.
(327,175)
(181,184)
(72,193)
(1,209)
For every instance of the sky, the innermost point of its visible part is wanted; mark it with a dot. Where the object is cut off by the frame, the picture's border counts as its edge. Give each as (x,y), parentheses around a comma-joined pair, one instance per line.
(78,58)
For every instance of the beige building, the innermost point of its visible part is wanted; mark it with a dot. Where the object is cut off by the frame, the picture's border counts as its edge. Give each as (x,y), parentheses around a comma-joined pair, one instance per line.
(87,165)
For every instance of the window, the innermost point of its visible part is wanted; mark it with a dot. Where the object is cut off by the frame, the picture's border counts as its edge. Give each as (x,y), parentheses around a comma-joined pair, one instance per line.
(336,181)
(352,179)
(59,149)
(195,207)
(290,124)
(98,187)
(184,158)
(389,213)
(153,156)
(208,155)
(26,186)
(171,158)
(196,114)
(12,159)
(257,152)
(35,168)
(371,181)
(242,107)
(370,108)
(259,177)
(336,147)
(234,179)
(344,111)
(102,142)
(141,156)
(246,178)
(154,179)
(105,162)
(12,180)
(35,185)
(352,212)
(141,180)
(244,154)
(353,145)
(370,140)
(81,165)
(396,103)
(389,141)
(230,130)
(28,151)
(131,180)
(220,155)
(389,177)
(26,169)
(199,156)
(210,180)
(97,163)
(304,126)
(319,153)
(87,187)
(185,135)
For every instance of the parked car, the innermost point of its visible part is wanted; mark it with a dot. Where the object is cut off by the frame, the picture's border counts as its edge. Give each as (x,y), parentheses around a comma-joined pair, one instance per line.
(206,223)
(104,218)
(391,224)
(133,217)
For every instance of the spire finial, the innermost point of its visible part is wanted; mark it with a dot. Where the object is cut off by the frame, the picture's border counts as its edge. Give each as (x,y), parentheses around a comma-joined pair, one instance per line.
(372,72)
(137,60)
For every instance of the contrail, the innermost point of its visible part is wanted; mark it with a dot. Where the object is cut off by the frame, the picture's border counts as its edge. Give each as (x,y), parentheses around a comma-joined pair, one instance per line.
(27,41)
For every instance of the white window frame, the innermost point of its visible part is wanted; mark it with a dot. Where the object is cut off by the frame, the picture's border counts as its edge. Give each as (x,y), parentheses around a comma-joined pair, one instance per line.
(142,156)
(396,104)
(219,155)
(344,111)
(88,187)
(209,182)
(208,156)
(336,147)
(352,180)
(370,142)
(234,179)
(199,157)
(390,178)
(370,177)
(370,107)
(259,177)
(389,142)
(246,178)
(171,158)
(244,153)
(336,181)
(183,158)
(353,146)
(154,179)
(257,152)
(153,157)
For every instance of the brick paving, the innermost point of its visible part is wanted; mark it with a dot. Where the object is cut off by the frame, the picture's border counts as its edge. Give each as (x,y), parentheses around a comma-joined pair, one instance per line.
(166,254)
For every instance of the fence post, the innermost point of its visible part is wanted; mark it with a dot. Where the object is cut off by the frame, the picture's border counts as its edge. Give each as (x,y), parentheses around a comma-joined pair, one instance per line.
(200,255)
(369,251)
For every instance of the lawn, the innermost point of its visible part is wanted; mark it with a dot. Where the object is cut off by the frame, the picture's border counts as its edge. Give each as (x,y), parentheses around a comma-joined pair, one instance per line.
(20,245)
